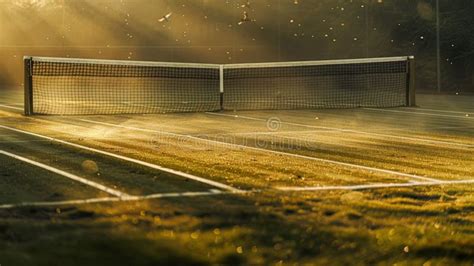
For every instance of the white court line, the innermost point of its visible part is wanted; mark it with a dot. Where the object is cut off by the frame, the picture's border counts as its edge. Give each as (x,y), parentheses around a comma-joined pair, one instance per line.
(349,165)
(428,141)
(417,113)
(128,159)
(23,141)
(440,111)
(67,175)
(450,127)
(269,133)
(11,104)
(11,107)
(125,199)
(217,192)
(374,186)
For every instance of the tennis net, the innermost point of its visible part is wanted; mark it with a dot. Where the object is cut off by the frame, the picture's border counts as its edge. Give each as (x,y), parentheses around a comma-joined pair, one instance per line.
(60,86)
(78,87)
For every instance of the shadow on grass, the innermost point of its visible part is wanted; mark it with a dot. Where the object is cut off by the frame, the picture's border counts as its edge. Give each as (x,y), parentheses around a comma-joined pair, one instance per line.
(330,227)
(228,230)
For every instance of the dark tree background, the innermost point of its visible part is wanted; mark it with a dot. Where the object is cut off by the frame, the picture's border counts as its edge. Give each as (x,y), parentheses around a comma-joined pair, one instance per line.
(208,31)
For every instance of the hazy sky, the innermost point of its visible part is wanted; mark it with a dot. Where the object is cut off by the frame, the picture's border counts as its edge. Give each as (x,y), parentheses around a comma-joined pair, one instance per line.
(218,31)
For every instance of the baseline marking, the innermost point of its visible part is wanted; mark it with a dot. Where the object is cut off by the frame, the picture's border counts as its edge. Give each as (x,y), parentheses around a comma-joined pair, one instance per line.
(67,175)
(125,199)
(217,192)
(349,165)
(429,141)
(417,113)
(128,159)
(374,186)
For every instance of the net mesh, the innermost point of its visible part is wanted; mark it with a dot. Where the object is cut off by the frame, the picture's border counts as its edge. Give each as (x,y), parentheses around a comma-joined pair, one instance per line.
(81,87)
(75,88)
(381,84)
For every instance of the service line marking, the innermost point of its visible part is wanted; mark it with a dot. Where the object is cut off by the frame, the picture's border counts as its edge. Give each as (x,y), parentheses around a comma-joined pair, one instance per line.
(76,178)
(128,159)
(349,165)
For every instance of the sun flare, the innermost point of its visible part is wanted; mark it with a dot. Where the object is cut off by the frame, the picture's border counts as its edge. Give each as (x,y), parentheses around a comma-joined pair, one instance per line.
(33,3)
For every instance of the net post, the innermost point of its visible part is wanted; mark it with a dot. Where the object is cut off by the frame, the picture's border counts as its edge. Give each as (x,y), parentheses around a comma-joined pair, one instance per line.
(221,86)
(28,85)
(411,88)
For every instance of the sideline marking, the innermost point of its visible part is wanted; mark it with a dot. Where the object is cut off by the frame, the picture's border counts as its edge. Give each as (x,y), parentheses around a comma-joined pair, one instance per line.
(128,159)
(350,165)
(431,141)
(67,175)
(440,111)
(125,199)
(268,133)
(374,186)
(417,113)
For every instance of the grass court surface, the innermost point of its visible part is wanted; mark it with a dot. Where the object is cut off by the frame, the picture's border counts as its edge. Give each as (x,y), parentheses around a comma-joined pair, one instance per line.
(384,186)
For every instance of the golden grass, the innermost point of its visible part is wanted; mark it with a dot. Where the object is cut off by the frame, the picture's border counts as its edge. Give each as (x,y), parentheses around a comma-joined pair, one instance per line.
(399,226)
